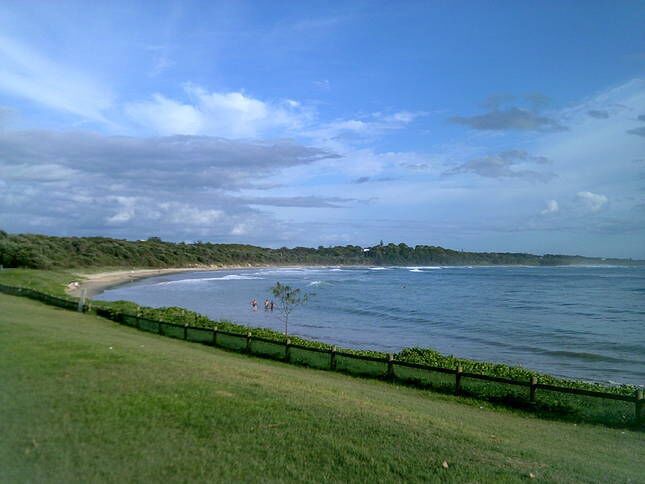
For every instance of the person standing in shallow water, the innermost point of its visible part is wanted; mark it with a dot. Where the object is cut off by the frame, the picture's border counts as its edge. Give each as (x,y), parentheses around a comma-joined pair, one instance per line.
(254,304)
(271,306)
(266,304)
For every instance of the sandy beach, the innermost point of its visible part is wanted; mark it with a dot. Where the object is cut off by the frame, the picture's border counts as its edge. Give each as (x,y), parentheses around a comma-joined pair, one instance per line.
(96,283)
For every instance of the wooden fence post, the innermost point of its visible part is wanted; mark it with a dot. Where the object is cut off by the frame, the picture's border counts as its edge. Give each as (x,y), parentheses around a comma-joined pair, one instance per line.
(533,389)
(186,331)
(390,366)
(215,336)
(458,373)
(248,342)
(287,351)
(81,301)
(639,406)
(332,361)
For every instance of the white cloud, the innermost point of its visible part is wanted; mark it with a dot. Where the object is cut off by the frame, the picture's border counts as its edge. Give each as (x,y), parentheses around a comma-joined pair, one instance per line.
(184,214)
(598,150)
(165,116)
(402,117)
(47,172)
(323,84)
(364,127)
(551,207)
(239,115)
(226,114)
(239,229)
(592,201)
(125,213)
(161,64)
(29,75)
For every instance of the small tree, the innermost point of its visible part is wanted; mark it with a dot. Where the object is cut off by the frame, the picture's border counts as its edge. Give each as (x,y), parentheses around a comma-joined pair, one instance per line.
(288,298)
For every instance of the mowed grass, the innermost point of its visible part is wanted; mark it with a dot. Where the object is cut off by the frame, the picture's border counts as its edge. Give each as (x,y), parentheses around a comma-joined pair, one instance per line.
(84,399)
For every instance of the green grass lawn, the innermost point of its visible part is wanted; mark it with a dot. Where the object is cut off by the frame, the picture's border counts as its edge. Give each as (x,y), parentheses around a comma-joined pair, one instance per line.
(84,399)
(51,282)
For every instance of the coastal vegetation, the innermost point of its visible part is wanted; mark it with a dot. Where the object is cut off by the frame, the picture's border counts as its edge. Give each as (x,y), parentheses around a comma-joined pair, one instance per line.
(48,252)
(85,399)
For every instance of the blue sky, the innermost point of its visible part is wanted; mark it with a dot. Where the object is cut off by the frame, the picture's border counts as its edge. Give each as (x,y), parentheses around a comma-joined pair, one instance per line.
(507,126)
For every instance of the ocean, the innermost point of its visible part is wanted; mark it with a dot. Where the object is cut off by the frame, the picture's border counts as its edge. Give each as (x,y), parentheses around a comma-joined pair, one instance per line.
(570,321)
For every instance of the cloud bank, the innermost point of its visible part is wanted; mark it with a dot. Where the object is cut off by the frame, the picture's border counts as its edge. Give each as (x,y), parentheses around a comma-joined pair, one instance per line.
(512,118)
(175,186)
(507,164)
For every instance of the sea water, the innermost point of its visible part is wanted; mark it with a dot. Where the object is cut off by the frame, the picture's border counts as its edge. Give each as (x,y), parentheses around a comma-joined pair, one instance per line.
(572,321)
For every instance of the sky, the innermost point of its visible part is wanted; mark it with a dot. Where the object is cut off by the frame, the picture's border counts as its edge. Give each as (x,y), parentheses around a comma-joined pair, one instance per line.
(488,126)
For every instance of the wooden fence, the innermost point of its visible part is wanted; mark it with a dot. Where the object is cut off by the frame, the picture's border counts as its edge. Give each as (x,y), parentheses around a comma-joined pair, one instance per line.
(389,368)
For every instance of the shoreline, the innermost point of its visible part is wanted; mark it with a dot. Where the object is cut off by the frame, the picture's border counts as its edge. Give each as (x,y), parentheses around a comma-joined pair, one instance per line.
(95,283)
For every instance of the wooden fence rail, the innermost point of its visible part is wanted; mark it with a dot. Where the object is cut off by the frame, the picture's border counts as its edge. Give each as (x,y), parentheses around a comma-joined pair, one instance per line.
(391,364)
(532,384)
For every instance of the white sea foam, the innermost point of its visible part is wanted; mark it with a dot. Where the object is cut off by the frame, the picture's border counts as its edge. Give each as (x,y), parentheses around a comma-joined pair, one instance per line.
(291,270)
(423,268)
(315,283)
(230,277)
(233,277)
(378,268)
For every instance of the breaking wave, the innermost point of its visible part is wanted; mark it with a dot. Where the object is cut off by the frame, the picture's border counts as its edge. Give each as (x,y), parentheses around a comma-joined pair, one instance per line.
(230,277)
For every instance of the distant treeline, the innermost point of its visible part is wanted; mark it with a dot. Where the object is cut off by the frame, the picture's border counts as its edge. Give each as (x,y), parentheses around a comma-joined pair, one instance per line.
(47,252)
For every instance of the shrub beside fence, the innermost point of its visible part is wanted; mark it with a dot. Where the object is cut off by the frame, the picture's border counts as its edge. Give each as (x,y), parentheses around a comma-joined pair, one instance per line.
(588,405)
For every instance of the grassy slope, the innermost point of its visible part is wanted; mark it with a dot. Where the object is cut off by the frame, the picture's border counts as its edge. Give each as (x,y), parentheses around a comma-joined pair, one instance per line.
(156,408)
(51,282)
